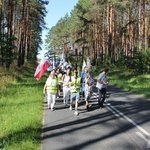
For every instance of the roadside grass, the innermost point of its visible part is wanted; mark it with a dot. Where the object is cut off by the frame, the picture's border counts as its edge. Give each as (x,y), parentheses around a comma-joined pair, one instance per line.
(130,81)
(21,109)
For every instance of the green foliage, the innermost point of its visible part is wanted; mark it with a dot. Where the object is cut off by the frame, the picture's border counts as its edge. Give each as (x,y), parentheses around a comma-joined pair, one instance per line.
(22,23)
(58,35)
(90,25)
(21,108)
(139,62)
(7,48)
(130,80)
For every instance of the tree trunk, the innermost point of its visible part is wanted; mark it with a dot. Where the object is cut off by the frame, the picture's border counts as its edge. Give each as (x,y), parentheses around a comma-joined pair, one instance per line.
(140,24)
(146,24)
(21,35)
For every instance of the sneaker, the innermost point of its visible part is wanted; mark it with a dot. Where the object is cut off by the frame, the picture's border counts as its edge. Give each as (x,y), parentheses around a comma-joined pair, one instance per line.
(48,106)
(52,109)
(76,113)
(107,104)
(70,107)
(88,106)
(58,96)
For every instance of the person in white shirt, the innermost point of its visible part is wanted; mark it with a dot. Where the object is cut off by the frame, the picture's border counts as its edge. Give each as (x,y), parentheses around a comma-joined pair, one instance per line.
(66,87)
(101,85)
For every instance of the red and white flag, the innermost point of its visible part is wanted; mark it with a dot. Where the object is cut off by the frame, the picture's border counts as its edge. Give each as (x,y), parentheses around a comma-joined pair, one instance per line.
(41,68)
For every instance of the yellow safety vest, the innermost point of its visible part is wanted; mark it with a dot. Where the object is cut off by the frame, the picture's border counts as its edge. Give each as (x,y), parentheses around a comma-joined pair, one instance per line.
(75,85)
(52,85)
(59,79)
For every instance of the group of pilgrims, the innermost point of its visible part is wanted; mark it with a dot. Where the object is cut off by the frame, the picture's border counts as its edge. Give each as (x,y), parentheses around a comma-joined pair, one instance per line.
(75,85)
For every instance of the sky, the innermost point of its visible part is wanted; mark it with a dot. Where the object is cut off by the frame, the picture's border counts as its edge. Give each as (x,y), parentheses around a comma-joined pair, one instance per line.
(56,9)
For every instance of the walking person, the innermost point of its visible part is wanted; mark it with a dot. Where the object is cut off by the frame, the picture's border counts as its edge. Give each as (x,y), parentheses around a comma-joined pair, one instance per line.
(75,85)
(59,77)
(83,78)
(51,87)
(101,85)
(89,84)
(66,87)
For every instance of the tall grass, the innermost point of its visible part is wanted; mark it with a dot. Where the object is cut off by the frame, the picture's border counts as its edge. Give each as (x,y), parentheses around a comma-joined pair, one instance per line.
(21,109)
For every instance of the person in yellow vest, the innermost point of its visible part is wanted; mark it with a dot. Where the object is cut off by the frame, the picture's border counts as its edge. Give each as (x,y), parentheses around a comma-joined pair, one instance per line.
(51,87)
(75,85)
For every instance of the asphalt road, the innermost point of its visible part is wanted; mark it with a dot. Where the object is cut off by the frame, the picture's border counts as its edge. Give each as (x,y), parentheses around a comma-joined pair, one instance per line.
(123,124)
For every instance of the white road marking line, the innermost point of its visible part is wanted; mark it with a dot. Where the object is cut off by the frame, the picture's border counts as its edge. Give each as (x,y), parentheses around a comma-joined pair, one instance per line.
(146,139)
(132,122)
(142,136)
(118,114)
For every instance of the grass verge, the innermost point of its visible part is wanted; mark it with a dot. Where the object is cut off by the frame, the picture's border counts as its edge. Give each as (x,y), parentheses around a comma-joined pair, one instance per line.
(21,109)
(128,80)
